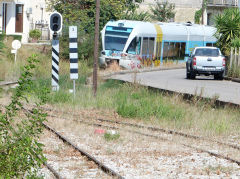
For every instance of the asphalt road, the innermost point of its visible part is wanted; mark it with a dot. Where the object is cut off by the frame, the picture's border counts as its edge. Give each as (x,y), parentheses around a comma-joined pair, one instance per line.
(175,80)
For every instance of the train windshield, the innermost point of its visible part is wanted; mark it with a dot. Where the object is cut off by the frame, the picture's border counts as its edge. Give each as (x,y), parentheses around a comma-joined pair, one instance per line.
(115,43)
(116,38)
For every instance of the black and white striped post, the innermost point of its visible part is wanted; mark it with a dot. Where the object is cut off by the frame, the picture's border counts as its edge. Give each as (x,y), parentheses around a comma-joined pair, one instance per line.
(55,27)
(55,64)
(73,54)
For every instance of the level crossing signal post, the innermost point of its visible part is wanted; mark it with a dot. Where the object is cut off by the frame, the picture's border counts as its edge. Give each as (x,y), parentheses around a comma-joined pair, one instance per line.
(55,28)
(73,54)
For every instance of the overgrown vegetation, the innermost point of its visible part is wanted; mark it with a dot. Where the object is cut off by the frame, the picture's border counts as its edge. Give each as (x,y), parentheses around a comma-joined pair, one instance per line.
(2,35)
(199,13)
(20,152)
(138,103)
(228,29)
(163,12)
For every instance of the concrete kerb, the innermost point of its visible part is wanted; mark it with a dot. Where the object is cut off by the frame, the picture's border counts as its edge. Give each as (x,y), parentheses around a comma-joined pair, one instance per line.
(142,70)
(232,79)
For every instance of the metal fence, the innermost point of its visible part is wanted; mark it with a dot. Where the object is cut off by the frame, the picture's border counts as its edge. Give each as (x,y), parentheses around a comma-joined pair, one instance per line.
(43,28)
(234,58)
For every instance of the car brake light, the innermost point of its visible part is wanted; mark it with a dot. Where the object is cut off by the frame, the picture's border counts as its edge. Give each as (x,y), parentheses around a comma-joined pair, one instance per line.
(224,62)
(194,61)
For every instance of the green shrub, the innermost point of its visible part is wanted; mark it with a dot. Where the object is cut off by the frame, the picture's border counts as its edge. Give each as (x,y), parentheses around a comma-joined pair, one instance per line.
(109,137)
(35,34)
(20,152)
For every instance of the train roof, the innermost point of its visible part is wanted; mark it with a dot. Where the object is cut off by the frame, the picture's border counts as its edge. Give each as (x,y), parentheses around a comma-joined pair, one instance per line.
(170,31)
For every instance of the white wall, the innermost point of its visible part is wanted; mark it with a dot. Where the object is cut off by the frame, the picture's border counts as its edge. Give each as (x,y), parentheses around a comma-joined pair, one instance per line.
(38,13)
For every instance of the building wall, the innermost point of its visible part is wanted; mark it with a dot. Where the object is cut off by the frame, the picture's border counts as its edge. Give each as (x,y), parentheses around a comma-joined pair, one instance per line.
(185,9)
(39,14)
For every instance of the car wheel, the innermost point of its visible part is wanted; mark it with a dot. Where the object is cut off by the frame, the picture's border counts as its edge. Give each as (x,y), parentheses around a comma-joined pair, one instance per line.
(192,75)
(187,74)
(218,76)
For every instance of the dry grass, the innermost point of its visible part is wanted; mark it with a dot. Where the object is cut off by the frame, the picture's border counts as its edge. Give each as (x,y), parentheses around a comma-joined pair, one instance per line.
(114,67)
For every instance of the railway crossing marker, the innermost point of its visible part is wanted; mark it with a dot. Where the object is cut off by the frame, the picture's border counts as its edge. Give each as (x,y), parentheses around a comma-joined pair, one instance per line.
(55,27)
(73,54)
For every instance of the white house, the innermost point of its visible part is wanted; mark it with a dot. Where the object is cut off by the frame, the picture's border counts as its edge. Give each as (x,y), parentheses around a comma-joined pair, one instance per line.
(18,17)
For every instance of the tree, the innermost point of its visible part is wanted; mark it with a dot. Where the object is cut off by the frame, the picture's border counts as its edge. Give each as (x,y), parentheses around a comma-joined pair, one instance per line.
(163,12)
(228,28)
(131,13)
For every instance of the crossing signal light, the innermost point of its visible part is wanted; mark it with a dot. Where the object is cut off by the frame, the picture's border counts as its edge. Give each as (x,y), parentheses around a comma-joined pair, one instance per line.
(55,22)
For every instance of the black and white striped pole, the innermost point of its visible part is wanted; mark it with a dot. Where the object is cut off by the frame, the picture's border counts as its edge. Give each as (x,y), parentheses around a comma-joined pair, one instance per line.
(73,54)
(55,64)
(55,27)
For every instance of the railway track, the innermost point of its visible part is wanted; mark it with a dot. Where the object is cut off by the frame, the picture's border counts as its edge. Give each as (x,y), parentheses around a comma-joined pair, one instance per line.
(158,129)
(100,165)
(9,83)
(105,124)
(108,172)
(157,135)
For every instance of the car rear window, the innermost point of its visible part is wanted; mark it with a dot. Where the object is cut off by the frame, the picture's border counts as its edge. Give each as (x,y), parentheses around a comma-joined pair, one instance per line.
(207,52)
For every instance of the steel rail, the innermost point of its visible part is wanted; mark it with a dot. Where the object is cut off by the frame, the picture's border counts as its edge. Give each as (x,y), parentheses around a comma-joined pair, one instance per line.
(165,139)
(91,158)
(171,132)
(103,167)
(8,83)
(163,130)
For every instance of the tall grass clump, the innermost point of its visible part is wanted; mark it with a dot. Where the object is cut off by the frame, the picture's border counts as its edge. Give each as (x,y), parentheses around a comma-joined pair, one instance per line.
(141,103)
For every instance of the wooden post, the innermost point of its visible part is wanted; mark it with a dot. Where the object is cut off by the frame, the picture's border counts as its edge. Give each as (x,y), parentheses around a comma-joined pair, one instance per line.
(96,39)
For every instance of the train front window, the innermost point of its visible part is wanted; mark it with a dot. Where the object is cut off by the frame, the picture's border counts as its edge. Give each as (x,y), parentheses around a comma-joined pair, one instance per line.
(115,43)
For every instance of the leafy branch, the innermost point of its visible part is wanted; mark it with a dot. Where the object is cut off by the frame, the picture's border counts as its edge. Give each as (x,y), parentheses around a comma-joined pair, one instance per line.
(20,152)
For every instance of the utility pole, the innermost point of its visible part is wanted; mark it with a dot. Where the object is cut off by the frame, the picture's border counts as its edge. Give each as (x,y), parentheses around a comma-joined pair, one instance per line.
(96,39)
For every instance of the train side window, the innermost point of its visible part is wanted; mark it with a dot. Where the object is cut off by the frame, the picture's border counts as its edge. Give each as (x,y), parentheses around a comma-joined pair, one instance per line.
(182,51)
(132,47)
(178,49)
(209,44)
(145,46)
(171,50)
(151,47)
(165,49)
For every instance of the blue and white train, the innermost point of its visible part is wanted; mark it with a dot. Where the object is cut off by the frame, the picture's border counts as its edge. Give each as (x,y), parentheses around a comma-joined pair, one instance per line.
(134,44)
